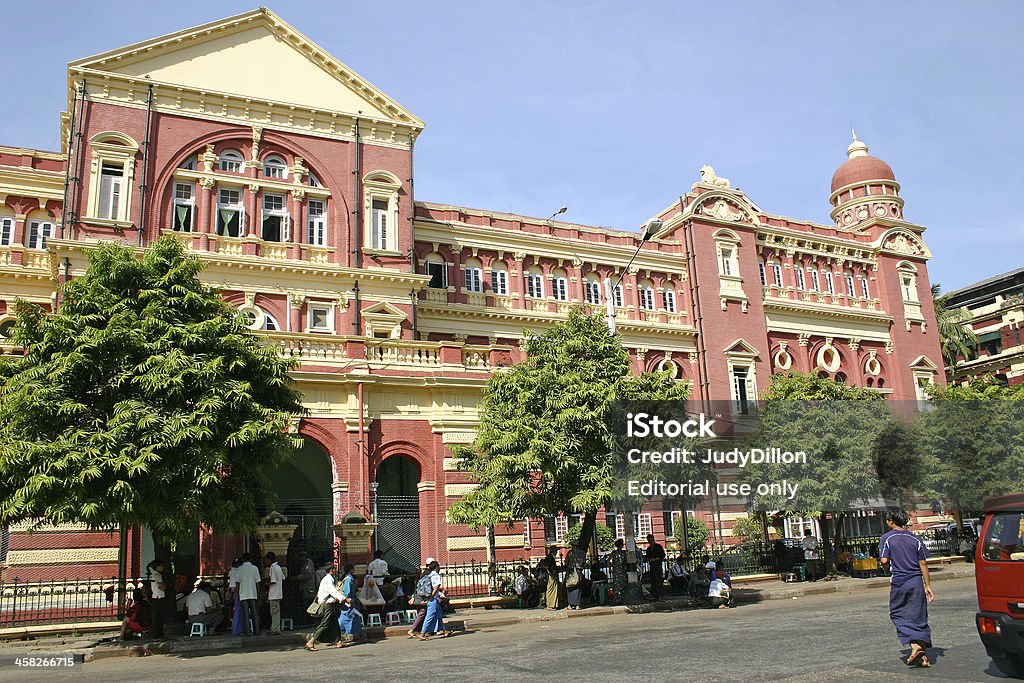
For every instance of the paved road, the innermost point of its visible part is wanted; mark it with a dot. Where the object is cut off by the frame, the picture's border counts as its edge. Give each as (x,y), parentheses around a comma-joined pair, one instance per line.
(811,639)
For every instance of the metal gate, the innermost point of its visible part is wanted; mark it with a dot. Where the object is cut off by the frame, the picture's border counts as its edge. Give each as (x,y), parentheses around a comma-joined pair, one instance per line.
(315,532)
(398,531)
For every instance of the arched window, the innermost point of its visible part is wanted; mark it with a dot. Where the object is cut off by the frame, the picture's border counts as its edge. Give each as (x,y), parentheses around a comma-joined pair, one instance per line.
(761,272)
(669,296)
(534,283)
(6,226)
(313,181)
(230,161)
(472,275)
(851,291)
(646,295)
(592,289)
(559,285)
(435,266)
(274,167)
(830,285)
(777,274)
(258,319)
(499,278)
(801,283)
(316,211)
(113,170)
(189,164)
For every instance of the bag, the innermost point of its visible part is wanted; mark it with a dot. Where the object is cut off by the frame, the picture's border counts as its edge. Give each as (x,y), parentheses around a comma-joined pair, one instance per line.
(424,587)
(573,579)
(313,609)
(418,600)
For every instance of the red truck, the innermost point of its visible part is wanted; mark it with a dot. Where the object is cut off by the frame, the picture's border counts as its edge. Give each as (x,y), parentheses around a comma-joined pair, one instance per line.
(1000,577)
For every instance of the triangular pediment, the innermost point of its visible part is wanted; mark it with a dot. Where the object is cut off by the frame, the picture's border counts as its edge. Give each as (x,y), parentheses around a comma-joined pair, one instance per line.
(740,347)
(384,310)
(254,55)
(924,363)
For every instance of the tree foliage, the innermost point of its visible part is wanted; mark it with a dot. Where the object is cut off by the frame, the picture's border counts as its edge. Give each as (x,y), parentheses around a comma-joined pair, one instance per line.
(605,536)
(956,336)
(697,534)
(544,444)
(143,401)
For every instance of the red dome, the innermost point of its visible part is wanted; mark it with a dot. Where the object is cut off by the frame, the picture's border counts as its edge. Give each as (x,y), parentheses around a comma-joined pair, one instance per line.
(861,169)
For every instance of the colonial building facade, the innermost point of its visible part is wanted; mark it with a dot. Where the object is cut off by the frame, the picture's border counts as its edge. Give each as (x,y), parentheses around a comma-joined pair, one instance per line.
(996,307)
(291,177)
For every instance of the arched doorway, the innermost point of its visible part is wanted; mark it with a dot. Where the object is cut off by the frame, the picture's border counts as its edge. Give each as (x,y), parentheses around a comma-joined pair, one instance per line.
(397,509)
(300,489)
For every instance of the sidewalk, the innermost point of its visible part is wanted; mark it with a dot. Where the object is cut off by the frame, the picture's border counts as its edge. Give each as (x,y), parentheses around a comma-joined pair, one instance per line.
(98,646)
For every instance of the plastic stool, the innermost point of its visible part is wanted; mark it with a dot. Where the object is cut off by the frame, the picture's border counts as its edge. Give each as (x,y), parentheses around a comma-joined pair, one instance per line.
(373,620)
(392,619)
(287,624)
(198,629)
(409,616)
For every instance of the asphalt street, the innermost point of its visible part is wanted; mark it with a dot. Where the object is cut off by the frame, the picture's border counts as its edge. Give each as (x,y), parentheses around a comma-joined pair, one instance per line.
(838,637)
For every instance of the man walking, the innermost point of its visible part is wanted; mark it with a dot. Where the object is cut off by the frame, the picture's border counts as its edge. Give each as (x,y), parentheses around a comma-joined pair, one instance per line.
(810,544)
(275,592)
(910,588)
(329,600)
(247,577)
(655,556)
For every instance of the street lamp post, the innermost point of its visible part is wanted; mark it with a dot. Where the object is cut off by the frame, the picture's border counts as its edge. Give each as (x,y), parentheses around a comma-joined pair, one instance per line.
(653,226)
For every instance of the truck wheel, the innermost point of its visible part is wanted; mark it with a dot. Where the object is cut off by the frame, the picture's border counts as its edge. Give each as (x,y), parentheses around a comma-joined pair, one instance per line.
(969,557)
(1010,664)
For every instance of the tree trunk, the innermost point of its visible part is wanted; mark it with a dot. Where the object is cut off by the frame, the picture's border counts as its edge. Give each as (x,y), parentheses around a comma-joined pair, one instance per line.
(492,560)
(825,547)
(586,543)
(122,569)
(765,536)
(634,589)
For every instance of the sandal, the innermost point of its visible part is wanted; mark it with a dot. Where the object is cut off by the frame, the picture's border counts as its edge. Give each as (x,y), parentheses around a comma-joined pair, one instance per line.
(311,648)
(917,656)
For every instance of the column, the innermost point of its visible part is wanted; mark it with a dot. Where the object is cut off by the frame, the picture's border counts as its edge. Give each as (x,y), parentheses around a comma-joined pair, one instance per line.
(250,200)
(298,219)
(517,278)
(455,277)
(203,226)
(19,238)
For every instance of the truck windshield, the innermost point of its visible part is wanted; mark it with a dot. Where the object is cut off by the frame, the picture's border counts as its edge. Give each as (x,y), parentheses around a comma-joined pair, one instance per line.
(1004,541)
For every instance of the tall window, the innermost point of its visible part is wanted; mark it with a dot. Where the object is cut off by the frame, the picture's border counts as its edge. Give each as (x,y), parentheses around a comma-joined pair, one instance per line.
(742,388)
(908,287)
(777,274)
(761,273)
(815,283)
(317,222)
(274,167)
(499,281)
(864,291)
(230,215)
(379,224)
(275,219)
(535,285)
(184,205)
(830,285)
(230,161)
(647,298)
(111,179)
(560,287)
(593,292)
(801,284)
(6,231)
(725,261)
(670,301)
(618,296)
(438,273)
(473,278)
(849,285)
(38,231)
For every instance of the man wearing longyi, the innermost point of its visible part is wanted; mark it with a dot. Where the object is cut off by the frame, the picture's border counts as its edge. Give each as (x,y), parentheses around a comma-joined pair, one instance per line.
(911,587)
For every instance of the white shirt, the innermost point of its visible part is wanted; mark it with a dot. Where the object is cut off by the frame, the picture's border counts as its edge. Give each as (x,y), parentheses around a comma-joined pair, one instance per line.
(717,588)
(248,577)
(155,579)
(678,570)
(378,568)
(198,602)
(328,592)
(232,579)
(276,580)
(810,544)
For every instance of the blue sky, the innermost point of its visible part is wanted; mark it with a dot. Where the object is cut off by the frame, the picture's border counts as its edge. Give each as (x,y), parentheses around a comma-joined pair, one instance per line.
(610,108)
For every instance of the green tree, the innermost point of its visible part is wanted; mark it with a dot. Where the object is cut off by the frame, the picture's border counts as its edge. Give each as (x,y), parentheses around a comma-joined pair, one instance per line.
(544,444)
(973,439)
(748,529)
(143,401)
(956,336)
(836,425)
(605,536)
(697,533)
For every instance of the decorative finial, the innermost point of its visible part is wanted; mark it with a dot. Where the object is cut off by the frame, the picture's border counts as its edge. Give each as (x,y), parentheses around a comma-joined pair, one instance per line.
(857,148)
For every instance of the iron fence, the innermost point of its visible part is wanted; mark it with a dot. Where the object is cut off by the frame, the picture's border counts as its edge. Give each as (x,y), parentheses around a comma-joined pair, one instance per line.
(24,603)
(479,579)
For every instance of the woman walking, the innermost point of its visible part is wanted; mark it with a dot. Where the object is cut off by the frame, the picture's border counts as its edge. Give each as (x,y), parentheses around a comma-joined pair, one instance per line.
(433,624)
(911,586)
(350,621)
(554,593)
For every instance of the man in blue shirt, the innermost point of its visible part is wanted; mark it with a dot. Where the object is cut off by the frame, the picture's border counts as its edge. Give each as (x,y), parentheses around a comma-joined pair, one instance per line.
(911,588)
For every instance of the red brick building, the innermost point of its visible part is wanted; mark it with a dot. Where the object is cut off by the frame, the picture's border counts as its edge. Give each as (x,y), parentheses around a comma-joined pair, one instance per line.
(292,178)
